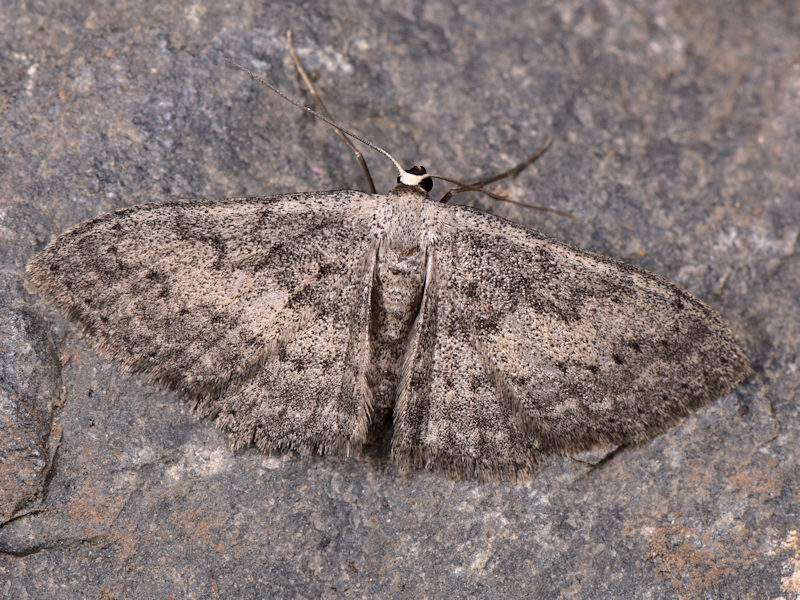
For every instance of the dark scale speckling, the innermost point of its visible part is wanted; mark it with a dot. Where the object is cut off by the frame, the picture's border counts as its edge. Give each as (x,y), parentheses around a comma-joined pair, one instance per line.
(312,321)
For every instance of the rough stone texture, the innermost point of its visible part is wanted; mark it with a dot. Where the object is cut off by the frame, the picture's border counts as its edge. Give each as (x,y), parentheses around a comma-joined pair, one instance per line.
(29,392)
(676,148)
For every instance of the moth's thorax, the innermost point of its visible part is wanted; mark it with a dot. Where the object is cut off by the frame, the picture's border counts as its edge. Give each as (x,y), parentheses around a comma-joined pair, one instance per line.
(402,193)
(408,215)
(400,271)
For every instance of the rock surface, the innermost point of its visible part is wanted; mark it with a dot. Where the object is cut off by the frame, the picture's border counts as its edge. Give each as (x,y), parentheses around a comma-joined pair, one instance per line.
(676,148)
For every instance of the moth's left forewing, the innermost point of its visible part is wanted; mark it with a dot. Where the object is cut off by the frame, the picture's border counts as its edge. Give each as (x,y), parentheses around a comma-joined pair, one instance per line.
(579,348)
(212,296)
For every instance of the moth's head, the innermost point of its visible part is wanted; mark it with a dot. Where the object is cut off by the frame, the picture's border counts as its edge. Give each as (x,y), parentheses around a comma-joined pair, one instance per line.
(416,176)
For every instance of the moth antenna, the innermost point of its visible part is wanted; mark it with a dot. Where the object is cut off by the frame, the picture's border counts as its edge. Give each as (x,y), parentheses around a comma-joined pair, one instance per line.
(415,176)
(324,111)
(512,173)
(405,176)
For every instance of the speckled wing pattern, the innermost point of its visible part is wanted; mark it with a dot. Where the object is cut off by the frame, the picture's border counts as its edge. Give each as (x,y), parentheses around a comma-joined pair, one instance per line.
(255,308)
(525,345)
(310,321)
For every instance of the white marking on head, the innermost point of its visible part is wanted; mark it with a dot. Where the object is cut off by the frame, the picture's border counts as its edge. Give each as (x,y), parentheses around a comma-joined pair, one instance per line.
(407,178)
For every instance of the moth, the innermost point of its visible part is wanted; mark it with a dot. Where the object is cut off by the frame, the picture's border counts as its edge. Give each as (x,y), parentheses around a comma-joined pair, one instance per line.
(314,322)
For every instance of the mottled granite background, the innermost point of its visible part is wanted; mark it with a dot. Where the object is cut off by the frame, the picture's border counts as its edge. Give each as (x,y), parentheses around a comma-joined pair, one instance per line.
(677,140)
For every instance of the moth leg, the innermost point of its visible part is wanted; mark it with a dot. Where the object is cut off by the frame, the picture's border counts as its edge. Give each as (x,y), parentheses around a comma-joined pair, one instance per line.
(512,172)
(324,111)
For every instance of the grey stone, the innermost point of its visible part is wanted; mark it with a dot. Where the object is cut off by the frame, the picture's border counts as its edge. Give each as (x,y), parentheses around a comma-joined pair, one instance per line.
(676,149)
(30,374)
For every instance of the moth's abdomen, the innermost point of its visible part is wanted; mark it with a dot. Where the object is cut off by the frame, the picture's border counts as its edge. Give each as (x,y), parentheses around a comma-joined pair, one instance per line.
(396,296)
